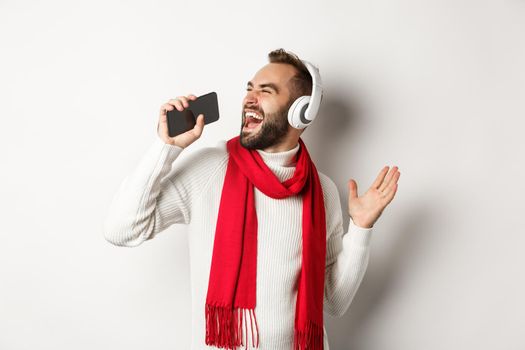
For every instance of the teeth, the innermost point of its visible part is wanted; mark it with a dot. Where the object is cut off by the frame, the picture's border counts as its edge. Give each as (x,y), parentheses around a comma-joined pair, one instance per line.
(253,115)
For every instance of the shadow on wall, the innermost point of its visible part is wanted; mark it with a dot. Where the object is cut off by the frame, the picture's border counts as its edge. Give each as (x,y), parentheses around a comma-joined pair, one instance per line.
(331,142)
(380,278)
(329,134)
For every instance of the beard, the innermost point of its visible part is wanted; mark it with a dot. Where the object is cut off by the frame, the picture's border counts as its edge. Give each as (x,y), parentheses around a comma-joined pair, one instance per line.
(273,130)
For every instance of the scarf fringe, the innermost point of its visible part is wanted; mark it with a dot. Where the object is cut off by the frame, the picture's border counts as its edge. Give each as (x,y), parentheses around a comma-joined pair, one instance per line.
(224,326)
(309,339)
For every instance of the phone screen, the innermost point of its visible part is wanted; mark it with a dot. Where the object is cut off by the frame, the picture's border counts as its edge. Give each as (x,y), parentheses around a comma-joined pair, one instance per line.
(180,122)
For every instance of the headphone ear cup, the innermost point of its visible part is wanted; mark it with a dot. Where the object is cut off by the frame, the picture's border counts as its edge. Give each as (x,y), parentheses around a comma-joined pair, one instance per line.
(296,113)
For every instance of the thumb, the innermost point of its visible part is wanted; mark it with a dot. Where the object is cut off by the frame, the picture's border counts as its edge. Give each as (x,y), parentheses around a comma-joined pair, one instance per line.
(352,187)
(200,124)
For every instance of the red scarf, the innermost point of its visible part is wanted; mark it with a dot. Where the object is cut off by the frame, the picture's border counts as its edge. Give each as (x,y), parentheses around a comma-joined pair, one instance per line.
(231,290)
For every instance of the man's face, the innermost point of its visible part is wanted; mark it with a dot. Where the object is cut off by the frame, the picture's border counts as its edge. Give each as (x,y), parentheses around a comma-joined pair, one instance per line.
(269,98)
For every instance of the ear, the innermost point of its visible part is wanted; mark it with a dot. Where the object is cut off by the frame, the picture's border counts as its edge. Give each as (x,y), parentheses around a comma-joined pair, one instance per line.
(303,129)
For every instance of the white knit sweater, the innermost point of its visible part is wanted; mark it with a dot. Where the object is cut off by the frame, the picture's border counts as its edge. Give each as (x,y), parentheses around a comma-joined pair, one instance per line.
(156,195)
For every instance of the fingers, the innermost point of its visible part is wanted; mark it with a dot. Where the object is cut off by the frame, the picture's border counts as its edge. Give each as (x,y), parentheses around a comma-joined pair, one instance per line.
(186,138)
(166,107)
(163,117)
(380,178)
(390,192)
(386,181)
(391,188)
(181,102)
(178,104)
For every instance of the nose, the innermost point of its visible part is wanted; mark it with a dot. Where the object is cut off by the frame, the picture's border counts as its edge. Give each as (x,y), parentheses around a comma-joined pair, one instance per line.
(251,99)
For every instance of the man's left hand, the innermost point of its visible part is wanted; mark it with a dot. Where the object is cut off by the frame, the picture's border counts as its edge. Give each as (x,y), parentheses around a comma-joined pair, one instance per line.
(365,210)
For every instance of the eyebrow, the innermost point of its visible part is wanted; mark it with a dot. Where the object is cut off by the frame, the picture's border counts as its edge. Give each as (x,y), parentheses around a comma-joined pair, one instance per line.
(270,85)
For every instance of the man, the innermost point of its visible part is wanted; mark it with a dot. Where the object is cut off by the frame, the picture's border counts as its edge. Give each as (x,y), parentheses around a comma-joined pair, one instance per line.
(267,250)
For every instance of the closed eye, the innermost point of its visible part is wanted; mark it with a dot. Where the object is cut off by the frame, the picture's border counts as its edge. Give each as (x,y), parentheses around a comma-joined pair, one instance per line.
(269,92)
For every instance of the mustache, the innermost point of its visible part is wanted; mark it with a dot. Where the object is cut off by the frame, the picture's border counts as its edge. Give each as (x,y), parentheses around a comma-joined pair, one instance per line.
(253,109)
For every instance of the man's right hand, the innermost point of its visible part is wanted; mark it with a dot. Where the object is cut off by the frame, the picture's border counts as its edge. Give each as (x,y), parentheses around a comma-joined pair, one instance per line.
(185,139)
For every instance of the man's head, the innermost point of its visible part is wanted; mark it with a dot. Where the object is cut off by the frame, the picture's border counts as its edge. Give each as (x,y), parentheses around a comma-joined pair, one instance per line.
(270,93)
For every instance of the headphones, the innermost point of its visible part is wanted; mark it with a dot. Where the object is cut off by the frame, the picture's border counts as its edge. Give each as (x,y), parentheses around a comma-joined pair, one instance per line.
(304,109)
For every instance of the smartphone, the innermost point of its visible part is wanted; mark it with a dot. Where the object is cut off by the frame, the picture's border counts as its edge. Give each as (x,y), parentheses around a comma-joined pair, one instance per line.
(180,122)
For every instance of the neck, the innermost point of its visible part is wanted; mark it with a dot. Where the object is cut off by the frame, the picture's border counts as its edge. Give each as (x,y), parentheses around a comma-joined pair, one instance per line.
(282,147)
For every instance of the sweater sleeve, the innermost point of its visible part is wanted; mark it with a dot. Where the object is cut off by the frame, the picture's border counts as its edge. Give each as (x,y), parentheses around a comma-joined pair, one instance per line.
(156,195)
(347,256)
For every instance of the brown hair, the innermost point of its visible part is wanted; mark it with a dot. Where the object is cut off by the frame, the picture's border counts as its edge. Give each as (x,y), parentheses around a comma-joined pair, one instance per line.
(301,83)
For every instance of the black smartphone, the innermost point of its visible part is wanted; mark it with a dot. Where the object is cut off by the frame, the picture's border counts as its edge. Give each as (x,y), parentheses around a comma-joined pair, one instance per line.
(180,122)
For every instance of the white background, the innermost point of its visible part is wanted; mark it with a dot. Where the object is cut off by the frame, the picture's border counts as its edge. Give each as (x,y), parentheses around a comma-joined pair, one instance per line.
(434,87)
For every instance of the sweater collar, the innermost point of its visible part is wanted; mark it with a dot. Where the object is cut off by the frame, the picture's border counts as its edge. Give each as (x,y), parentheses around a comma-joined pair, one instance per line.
(285,158)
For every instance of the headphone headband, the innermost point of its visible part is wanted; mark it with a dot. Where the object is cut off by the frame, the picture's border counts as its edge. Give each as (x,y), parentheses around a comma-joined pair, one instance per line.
(304,109)
(317,91)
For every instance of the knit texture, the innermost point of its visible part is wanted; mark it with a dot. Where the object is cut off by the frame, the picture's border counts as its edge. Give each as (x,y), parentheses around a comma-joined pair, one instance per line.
(233,276)
(156,195)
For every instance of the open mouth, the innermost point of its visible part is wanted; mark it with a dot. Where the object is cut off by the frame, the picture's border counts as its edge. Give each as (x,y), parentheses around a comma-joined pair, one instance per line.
(252,120)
